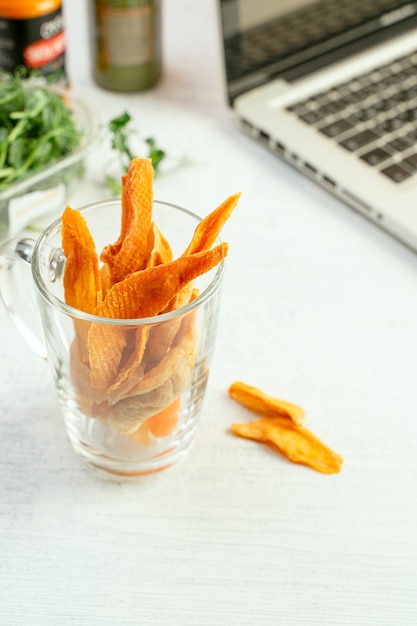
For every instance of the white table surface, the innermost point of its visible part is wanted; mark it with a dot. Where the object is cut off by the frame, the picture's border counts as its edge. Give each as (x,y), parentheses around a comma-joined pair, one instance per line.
(319,307)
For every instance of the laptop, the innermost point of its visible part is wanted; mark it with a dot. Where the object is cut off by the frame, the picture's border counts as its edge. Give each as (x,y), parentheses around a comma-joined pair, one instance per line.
(331,87)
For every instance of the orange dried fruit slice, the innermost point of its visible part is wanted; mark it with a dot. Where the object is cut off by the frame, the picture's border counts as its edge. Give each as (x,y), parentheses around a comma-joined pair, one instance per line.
(163,423)
(82,285)
(281,427)
(203,238)
(147,292)
(209,228)
(161,251)
(131,251)
(264,404)
(297,443)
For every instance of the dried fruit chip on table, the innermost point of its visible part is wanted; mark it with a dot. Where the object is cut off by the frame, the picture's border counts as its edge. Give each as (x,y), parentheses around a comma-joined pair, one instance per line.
(281,426)
(132,378)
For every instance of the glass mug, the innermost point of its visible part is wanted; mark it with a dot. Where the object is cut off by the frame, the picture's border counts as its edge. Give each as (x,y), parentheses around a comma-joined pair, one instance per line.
(146,419)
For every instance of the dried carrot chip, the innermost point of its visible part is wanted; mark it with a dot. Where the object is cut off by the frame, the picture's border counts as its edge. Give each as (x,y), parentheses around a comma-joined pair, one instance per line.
(297,443)
(82,286)
(131,251)
(263,404)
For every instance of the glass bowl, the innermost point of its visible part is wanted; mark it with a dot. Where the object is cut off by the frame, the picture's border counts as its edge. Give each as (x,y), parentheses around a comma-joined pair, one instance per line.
(46,191)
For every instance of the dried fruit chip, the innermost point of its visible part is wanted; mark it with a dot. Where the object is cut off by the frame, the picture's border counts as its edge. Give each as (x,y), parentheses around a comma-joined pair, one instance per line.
(263,404)
(141,436)
(161,251)
(146,293)
(297,443)
(209,228)
(203,238)
(163,423)
(131,251)
(82,286)
(178,360)
(280,426)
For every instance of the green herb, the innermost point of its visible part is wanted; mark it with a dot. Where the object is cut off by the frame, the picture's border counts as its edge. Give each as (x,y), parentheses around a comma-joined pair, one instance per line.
(36,127)
(121,133)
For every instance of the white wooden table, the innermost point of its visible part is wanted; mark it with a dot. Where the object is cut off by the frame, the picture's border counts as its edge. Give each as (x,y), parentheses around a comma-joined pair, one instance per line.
(319,307)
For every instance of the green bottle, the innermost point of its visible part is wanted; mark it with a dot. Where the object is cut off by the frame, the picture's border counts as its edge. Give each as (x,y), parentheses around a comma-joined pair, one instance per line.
(126,43)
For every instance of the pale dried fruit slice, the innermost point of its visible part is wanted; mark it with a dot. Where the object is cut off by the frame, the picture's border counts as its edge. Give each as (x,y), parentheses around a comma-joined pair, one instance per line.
(297,443)
(127,415)
(178,360)
(141,436)
(264,404)
(139,340)
(105,346)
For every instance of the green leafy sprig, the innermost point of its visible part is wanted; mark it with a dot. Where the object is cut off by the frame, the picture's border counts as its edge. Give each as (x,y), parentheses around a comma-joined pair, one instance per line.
(121,132)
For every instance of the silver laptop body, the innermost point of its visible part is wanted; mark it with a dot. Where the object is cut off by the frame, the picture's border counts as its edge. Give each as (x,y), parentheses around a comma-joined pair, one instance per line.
(331,87)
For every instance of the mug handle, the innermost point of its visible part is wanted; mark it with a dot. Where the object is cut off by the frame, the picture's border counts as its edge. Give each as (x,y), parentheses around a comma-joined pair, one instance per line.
(17,291)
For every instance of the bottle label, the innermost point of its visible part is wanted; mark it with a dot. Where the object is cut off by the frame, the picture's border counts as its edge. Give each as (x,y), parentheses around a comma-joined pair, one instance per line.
(37,43)
(126,35)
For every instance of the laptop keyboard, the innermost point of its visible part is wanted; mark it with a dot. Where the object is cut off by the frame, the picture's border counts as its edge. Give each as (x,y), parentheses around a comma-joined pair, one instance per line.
(373,116)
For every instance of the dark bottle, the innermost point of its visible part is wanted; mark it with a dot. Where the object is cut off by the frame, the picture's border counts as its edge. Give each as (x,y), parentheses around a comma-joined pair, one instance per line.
(32,35)
(125,43)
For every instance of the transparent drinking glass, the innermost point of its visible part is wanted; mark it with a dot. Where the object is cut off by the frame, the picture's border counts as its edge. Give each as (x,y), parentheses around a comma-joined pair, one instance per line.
(143,418)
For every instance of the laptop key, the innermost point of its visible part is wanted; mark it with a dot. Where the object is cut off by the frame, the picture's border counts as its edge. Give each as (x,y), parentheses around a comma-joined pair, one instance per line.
(312,117)
(391,124)
(332,107)
(396,173)
(359,140)
(376,156)
(412,135)
(363,115)
(399,144)
(336,128)
(412,160)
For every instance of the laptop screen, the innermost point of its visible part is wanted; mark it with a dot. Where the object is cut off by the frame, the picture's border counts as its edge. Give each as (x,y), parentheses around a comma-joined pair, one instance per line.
(289,38)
